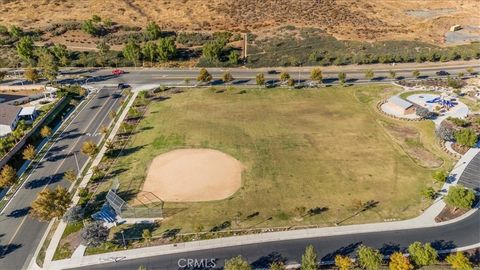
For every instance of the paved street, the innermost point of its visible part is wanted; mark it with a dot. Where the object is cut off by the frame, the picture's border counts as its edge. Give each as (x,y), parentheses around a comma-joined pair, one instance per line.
(20,234)
(462,233)
(182,77)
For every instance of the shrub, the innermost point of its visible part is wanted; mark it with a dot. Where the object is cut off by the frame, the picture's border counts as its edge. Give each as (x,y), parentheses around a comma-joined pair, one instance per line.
(440,176)
(399,262)
(369,258)
(422,255)
(94,234)
(446,131)
(466,137)
(459,261)
(460,197)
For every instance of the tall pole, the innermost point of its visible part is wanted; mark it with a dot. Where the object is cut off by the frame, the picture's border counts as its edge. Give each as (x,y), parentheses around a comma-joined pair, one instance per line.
(245,51)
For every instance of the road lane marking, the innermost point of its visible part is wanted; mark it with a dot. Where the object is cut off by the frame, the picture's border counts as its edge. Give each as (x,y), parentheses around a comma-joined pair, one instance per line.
(58,168)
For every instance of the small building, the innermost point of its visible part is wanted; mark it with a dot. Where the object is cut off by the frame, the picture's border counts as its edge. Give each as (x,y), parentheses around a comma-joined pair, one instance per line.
(9,117)
(400,106)
(455,28)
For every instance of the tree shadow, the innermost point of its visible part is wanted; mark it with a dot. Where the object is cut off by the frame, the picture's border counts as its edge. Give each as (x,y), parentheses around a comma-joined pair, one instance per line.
(7,249)
(390,248)
(316,211)
(127,151)
(19,212)
(237,82)
(44,181)
(443,245)
(220,227)
(264,262)
(344,251)
(171,233)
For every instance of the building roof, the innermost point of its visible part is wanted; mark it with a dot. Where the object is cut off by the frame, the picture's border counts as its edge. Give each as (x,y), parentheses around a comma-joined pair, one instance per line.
(8,114)
(400,102)
(27,111)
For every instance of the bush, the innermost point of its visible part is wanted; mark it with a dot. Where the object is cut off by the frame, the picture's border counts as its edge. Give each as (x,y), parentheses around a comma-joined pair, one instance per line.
(440,176)
(94,234)
(458,121)
(422,255)
(466,137)
(369,258)
(459,261)
(460,197)
(446,131)
(73,214)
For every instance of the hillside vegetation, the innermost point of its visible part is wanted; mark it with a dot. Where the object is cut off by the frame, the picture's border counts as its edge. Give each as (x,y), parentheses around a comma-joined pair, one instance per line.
(344,19)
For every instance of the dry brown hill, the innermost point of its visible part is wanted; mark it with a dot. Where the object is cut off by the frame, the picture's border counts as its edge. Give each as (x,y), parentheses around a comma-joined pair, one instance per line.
(426,20)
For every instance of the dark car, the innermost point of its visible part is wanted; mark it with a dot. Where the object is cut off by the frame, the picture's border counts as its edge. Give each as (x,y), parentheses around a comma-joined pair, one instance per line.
(442,73)
(273,71)
(122,86)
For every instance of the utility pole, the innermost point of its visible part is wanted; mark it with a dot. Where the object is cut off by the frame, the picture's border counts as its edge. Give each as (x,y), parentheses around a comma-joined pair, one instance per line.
(245,46)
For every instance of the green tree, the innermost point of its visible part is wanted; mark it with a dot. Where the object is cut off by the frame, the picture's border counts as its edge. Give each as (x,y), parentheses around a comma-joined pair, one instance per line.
(260,79)
(15,31)
(460,197)
(61,54)
(393,74)
(399,262)
(70,176)
(459,261)
(31,74)
(277,266)
(3,74)
(284,77)
(227,77)
(45,132)
(416,73)
(429,193)
(47,62)
(342,77)
(369,258)
(422,255)
(131,51)
(8,176)
(153,31)
(343,262)
(440,176)
(29,152)
(204,76)
(149,51)
(309,259)
(103,49)
(212,50)
(316,75)
(96,18)
(466,137)
(90,28)
(25,49)
(147,235)
(237,263)
(234,57)
(89,148)
(51,204)
(369,74)
(166,49)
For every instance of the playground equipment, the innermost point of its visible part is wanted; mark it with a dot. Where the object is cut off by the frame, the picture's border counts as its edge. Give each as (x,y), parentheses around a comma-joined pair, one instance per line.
(443,102)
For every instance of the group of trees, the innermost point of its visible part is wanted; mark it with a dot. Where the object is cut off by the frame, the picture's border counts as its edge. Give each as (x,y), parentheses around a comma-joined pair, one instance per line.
(420,255)
(162,50)
(458,130)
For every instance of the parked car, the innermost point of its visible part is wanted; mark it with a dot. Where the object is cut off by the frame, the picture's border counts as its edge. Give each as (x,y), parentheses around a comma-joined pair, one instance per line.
(122,86)
(272,71)
(118,72)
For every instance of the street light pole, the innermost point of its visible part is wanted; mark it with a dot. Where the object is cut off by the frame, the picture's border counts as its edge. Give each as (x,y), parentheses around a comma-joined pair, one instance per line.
(123,237)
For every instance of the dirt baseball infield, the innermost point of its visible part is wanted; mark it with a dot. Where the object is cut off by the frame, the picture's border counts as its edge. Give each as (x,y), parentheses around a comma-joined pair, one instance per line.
(193,175)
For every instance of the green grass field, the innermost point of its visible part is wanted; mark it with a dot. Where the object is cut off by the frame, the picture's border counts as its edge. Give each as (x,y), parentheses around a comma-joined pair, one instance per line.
(325,148)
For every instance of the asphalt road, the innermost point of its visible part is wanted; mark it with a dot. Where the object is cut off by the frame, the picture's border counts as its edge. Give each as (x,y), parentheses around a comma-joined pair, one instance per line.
(463,233)
(20,234)
(182,77)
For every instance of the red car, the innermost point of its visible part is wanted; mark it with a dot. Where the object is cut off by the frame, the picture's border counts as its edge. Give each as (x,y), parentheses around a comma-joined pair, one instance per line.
(118,72)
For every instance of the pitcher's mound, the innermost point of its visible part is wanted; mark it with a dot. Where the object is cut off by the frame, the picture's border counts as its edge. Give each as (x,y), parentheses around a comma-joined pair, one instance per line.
(193,175)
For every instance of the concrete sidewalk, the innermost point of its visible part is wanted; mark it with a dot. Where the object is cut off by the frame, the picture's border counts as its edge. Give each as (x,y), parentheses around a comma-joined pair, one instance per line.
(427,219)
